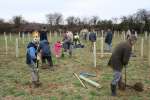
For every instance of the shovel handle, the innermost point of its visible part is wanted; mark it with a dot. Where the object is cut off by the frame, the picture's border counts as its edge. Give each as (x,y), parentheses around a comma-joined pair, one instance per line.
(125,76)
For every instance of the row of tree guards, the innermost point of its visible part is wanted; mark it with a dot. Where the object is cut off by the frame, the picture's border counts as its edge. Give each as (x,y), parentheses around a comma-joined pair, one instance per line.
(102,53)
(123,36)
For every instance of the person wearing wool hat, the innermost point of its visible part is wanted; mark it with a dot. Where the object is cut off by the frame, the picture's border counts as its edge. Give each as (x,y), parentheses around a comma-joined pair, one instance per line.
(119,59)
(31,59)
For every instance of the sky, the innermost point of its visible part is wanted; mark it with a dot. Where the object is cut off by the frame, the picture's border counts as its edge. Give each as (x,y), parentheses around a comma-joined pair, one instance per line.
(36,10)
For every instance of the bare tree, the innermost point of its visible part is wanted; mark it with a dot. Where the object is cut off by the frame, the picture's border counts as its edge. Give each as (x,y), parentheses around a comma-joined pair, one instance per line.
(54,18)
(1,21)
(59,18)
(18,21)
(94,20)
(70,20)
(50,18)
(85,21)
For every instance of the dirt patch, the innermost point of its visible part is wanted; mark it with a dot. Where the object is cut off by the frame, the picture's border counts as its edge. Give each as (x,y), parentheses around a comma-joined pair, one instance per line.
(55,85)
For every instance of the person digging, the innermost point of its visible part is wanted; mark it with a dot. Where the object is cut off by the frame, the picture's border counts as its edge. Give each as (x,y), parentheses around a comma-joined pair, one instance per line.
(119,59)
(45,52)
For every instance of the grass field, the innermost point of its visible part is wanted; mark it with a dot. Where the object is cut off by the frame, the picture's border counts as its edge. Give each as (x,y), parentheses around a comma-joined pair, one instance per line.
(60,84)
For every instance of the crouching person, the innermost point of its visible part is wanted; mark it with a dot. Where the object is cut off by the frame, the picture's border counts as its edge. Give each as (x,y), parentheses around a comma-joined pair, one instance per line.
(44,49)
(31,61)
(118,60)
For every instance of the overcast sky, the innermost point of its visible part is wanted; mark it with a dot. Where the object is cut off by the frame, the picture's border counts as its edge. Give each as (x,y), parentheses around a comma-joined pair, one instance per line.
(35,10)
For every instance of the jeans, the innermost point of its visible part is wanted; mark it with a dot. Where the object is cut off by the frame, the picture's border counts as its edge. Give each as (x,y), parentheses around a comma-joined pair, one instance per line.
(108,47)
(117,76)
(34,72)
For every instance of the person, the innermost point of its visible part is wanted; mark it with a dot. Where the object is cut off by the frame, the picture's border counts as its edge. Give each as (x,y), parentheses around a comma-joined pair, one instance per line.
(44,50)
(92,38)
(43,34)
(108,40)
(31,59)
(57,49)
(67,42)
(76,39)
(118,60)
(128,34)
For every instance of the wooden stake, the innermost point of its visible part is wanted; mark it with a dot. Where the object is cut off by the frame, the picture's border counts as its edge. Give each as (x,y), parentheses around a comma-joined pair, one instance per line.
(102,47)
(124,36)
(10,36)
(17,49)
(90,81)
(4,35)
(23,37)
(114,35)
(80,80)
(19,35)
(94,53)
(146,35)
(142,46)
(28,36)
(149,51)
(102,33)
(6,45)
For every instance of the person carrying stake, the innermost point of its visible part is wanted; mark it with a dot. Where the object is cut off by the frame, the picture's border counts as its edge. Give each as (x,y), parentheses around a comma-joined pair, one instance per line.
(31,59)
(120,57)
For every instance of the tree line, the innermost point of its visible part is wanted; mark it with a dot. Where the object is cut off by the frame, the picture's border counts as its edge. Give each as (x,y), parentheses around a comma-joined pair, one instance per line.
(139,21)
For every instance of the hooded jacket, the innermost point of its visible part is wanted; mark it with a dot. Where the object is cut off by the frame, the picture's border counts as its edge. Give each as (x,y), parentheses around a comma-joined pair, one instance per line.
(31,53)
(120,56)
(45,48)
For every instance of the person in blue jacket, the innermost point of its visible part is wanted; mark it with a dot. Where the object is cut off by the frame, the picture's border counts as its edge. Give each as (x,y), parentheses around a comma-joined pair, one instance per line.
(31,59)
(108,40)
(45,51)
(43,34)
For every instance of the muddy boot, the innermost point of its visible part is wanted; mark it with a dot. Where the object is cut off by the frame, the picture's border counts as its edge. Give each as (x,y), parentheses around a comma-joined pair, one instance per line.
(44,66)
(70,53)
(38,83)
(34,84)
(113,90)
(121,85)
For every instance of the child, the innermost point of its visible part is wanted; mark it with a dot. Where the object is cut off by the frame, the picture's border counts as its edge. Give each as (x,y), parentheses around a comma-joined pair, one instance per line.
(31,61)
(57,49)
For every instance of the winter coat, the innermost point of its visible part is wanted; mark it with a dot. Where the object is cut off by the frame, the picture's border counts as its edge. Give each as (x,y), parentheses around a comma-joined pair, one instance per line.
(44,48)
(92,37)
(57,49)
(108,38)
(31,53)
(120,56)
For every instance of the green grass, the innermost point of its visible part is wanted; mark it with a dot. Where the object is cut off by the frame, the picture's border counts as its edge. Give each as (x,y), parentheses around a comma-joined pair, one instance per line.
(61,84)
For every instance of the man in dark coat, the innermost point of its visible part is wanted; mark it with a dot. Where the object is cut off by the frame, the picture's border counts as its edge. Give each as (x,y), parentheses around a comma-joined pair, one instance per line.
(108,40)
(119,59)
(92,38)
